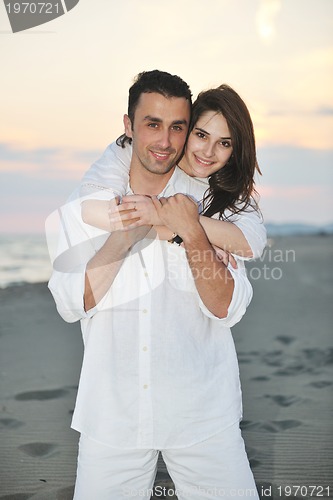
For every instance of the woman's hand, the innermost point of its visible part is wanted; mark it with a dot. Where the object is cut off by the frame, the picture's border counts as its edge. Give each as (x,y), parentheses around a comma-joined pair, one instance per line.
(134,211)
(179,213)
(225,257)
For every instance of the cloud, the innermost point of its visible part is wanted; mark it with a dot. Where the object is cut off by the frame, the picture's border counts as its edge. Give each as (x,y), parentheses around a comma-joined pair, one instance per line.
(292,166)
(302,204)
(318,111)
(46,162)
(296,185)
(27,199)
(324,111)
(9,153)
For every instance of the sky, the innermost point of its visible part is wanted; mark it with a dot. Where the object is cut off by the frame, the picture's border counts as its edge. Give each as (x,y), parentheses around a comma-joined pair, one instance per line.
(64,88)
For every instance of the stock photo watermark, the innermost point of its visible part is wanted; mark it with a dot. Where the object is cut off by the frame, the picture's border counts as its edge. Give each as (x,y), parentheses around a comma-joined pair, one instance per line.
(269,265)
(25,15)
(173,492)
(299,491)
(180,265)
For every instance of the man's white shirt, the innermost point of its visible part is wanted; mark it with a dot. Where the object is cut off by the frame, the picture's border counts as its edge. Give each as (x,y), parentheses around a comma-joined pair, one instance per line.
(159,370)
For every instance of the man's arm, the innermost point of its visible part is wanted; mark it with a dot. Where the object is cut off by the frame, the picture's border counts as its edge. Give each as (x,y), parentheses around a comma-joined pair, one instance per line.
(102,269)
(213,280)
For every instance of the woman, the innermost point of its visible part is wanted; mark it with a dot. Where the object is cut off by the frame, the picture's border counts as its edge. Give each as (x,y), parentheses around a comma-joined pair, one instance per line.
(220,147)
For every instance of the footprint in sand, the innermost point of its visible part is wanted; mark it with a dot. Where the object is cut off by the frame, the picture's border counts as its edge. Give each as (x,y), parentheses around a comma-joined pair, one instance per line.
(10,423)
(245,357)
(320,384)
(41,395)
(296,363)
(285,339)
(244,361)
(260,378)
(293,369)
(44,450)
(270,425)
(273,358)
(284,400)
(319,357)
(253,456)
(254,463)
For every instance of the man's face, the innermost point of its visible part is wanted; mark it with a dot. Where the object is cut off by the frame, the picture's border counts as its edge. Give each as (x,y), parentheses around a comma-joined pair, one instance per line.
(159,132)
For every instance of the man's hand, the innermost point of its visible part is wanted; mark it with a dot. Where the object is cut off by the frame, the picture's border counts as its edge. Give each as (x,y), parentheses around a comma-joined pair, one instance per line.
(179,213)
(212,279)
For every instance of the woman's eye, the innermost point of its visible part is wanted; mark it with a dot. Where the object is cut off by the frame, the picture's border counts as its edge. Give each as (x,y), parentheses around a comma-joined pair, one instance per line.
(225,144)
(200,135)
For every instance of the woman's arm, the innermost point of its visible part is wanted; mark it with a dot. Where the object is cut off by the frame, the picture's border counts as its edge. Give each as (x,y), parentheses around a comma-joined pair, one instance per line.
(104,184)
(109,175)
(245,236)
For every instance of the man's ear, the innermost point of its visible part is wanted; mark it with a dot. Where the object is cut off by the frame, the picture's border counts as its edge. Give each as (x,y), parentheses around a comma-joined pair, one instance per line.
(128,126)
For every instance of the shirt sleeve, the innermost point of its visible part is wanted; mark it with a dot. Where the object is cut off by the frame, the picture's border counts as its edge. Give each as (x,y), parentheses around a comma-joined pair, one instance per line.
(251,224)
(109,175)
(241,298)
(71,244)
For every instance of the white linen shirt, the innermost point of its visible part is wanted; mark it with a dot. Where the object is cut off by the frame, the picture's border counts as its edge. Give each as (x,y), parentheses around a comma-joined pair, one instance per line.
(159,369)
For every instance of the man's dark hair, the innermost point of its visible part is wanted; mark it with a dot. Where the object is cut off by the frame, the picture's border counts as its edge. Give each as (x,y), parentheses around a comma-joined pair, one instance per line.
(154,81)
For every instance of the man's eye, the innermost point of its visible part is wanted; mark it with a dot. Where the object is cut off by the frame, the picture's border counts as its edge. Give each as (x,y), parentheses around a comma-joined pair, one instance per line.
(152,125)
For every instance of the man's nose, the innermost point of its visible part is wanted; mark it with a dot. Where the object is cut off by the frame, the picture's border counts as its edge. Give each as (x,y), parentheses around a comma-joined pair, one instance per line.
(164,139)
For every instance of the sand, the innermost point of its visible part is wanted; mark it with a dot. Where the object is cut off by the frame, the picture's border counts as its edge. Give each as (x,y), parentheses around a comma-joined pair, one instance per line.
(285,349)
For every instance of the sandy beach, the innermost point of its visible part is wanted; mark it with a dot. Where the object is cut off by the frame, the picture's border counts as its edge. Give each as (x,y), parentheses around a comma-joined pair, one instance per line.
(285,350)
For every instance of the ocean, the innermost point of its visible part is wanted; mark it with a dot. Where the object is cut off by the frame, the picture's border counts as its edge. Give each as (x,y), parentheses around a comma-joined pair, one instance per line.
(24,259)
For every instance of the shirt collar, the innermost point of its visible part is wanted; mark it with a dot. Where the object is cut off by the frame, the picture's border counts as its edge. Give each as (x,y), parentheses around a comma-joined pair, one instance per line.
(169,188)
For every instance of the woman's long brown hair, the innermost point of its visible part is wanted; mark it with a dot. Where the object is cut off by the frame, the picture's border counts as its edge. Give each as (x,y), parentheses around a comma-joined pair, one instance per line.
(233,186)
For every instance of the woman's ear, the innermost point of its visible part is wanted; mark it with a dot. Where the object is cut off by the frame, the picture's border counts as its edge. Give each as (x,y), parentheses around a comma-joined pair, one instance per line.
(128,126)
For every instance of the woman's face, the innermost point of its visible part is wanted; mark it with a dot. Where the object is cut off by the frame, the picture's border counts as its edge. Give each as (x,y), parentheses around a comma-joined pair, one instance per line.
(208,147)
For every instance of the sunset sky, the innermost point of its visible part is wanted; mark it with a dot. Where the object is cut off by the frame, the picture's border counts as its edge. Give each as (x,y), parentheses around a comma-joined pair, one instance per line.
(64,91)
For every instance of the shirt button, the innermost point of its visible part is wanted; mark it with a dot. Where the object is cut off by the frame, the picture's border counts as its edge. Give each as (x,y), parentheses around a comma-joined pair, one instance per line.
(145,348)
(144,311)
(145,386)
(146,275)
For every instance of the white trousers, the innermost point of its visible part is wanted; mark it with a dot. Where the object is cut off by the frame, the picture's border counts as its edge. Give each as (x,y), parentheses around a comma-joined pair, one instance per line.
(215,468)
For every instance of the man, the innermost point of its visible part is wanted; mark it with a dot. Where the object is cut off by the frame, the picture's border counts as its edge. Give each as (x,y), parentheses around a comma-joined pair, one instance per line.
(160,370)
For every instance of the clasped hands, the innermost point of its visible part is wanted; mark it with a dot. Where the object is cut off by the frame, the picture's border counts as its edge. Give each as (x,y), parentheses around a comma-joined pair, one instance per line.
(179,213)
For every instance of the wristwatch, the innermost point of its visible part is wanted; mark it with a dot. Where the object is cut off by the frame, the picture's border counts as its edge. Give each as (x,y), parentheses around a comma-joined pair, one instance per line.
(176,239)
